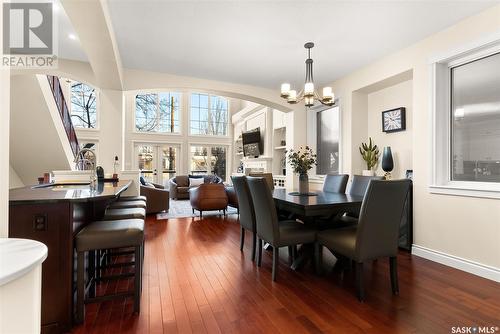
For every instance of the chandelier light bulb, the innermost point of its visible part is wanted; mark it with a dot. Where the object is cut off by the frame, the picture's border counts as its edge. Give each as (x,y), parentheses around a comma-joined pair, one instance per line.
(328,93)
(292,96)
(309,89)
(285,89)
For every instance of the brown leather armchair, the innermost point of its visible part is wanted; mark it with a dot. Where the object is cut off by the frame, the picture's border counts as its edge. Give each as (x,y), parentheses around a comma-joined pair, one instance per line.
(157,198)
(207,197)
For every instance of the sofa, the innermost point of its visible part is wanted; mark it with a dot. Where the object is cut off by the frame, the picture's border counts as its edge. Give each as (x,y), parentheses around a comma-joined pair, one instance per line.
(208,197)
(157,197)
(179,185)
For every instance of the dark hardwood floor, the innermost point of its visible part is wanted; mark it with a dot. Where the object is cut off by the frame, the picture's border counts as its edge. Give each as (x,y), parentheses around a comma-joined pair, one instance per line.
(196,280)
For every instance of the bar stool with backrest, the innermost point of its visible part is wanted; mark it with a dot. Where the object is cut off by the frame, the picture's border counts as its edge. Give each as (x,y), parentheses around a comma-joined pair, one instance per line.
(376,234)
(127,204)
(246,210)
(124,213)
(101,235)
(276,233)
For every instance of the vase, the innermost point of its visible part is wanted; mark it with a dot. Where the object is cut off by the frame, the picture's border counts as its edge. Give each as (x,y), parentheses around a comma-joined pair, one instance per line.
(303,183)
(387,162)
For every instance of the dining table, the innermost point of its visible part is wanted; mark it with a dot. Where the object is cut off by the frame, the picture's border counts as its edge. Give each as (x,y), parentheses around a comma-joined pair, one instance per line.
(309,207)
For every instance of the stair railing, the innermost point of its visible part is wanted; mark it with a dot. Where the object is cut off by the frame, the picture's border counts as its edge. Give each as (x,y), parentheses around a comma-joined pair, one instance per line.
(62,107)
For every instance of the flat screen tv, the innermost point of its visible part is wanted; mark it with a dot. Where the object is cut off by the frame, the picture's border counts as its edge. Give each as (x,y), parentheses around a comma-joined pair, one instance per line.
(252,143)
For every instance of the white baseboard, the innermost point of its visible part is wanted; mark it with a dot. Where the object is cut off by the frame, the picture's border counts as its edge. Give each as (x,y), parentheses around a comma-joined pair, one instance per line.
(472,267)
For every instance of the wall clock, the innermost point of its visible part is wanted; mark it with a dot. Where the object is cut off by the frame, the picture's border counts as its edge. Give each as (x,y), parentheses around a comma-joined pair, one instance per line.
(394,120)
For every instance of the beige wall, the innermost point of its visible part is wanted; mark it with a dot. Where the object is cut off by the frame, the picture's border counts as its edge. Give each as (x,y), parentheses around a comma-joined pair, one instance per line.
(399,95)
(14,179)
(463,227)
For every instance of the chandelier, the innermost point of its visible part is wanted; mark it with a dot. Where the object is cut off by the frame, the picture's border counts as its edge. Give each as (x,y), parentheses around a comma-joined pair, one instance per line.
(308,94)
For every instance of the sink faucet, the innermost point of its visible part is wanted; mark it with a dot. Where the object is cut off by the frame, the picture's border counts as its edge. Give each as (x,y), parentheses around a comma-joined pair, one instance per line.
(80,160)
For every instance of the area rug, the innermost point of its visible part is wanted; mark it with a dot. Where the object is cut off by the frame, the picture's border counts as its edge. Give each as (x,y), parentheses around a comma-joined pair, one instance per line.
(182,209)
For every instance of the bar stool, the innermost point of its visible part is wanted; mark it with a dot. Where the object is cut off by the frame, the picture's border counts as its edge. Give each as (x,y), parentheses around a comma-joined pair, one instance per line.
(106,235)
(127,204)
(132,198)
(124,213)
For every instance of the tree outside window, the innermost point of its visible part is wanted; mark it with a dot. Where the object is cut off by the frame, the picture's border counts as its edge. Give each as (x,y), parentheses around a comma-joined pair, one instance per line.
(83,106)
(158,112)
(209,115)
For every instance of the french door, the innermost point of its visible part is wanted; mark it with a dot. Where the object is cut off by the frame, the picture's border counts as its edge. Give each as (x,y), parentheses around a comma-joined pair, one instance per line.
(157,162)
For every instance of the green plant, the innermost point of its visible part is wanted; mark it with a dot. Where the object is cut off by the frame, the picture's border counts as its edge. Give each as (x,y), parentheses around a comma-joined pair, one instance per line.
(370,154)
(301,160)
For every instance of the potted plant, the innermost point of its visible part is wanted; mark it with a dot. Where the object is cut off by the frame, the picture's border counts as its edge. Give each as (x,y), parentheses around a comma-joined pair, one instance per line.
(302,161)
(369,153)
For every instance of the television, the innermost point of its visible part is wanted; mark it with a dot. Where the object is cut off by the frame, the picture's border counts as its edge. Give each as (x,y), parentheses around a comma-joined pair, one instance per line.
(252,143)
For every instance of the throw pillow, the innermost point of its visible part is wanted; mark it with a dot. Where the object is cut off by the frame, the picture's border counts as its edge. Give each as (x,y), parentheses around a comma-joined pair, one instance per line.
(195,182)
(143,182)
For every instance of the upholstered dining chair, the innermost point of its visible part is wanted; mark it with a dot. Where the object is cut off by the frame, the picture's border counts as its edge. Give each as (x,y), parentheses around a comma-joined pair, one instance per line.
(246,210)
(267,176)
(335,183)
(375,235)
(276,233)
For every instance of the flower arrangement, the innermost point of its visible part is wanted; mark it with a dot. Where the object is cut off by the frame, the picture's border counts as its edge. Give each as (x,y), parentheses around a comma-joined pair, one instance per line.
(302,160)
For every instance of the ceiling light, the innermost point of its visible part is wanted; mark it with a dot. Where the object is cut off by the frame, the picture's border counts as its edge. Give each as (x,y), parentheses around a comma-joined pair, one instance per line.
(308,94)
(72,36)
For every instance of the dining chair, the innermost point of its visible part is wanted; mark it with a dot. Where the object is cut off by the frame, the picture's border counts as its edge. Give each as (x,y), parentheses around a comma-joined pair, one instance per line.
(267,176)
(270,229)
(246,210)
(335,183)
(375,235)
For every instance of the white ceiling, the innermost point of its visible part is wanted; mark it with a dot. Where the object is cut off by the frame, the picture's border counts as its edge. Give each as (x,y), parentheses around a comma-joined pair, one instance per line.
(69,48)
(261,42)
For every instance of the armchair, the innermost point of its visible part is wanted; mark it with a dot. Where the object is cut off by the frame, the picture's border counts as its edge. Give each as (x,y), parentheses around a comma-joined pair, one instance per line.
(157,198)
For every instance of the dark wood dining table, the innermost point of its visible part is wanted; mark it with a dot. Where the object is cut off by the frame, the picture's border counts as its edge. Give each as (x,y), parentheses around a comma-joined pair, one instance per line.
(310,207)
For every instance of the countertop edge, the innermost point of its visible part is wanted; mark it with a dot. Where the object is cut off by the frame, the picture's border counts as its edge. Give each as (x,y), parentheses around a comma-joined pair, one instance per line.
(37,259)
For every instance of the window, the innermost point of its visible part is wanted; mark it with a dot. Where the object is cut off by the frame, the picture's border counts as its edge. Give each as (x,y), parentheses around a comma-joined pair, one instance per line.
(158,112)
(475,115)
(328,134)
(83,106)
(209,160)
(466,121)
(209,115)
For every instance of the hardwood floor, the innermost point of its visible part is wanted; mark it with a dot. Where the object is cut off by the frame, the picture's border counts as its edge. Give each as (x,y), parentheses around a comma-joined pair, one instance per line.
(197,281)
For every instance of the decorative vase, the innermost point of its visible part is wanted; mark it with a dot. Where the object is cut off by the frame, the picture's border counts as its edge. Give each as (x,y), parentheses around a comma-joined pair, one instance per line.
(303,183)
(368,172)
(387,162)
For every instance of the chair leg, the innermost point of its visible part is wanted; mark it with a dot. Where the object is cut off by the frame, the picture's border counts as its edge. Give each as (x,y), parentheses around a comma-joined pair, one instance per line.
(201,214)
(242,238)
(254,245)
(91,272)
(137,278)
(80,288)
(259,252)
(359,282)
(318,257)
(394,275)
(276,259)
(193,211)
(224,212)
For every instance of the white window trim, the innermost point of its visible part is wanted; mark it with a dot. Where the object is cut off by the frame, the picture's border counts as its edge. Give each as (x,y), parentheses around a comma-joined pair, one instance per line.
(209,111)
(440,117)
(312,138)
(97,109)
(148,133)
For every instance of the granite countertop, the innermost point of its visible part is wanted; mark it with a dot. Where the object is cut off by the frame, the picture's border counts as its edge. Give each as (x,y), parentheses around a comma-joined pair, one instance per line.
(18,257)
(67,192)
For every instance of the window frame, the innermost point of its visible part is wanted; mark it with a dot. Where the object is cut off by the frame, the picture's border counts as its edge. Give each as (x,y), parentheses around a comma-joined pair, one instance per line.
(157,133)
(312,133)
(97,107)
(441,121)
(227,135)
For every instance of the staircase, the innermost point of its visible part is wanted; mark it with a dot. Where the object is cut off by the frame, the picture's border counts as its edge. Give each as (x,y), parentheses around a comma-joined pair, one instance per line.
(62,107)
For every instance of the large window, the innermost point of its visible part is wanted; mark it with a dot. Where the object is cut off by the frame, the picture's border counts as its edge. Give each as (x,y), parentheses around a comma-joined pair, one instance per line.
(328,134)
(158,112)
(83,106)
(209,160)
(475,120)
(209,115)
